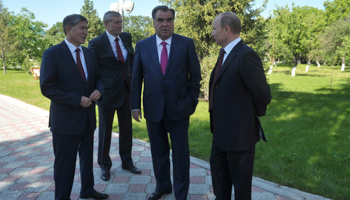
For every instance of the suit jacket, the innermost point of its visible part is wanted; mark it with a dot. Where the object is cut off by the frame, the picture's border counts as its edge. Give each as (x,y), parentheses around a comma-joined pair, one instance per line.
(61,82)
(241,95)
(177,90)
(113,73)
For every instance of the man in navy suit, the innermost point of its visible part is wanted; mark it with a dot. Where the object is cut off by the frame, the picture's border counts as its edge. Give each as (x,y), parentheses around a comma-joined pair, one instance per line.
(69,78)
(168,65)
(115,72)
(239,95)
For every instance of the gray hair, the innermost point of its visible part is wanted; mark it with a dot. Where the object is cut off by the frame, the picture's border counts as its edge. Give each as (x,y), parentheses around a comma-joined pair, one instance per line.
(162,8)
(72,20)
(232,20)
(107,17)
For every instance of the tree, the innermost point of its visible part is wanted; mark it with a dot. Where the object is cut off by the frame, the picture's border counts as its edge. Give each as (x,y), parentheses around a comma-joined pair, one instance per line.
(140,27)
(336,10)
(315,21)
(293,31)
(336,41)
(30,35)
(194,18)
(8,41)
(55,34)
(95,24)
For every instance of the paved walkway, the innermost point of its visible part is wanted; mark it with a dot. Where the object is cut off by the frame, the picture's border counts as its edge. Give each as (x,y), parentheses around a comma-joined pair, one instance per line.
(26,165)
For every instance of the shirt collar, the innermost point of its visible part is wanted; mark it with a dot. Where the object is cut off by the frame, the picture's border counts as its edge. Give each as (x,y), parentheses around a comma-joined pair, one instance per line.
(72,47)
(158,40)
(111,37)
(231,45)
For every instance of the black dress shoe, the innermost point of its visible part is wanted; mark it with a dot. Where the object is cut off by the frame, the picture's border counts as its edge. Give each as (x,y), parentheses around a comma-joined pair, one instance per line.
(105,175)
(158,195)
(96,195)
(132,169)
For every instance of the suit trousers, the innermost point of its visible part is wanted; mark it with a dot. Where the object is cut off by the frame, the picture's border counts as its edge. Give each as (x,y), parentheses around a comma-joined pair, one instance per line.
(106,117)
(65,149)
(160,150)
(232,168)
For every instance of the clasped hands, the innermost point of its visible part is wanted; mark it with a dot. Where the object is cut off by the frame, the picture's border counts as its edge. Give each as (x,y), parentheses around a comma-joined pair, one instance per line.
(87,101)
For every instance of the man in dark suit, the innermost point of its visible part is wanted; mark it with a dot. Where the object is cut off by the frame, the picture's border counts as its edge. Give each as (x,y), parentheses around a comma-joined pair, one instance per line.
(169,67)
(69,78)
(115,56)
(239,94)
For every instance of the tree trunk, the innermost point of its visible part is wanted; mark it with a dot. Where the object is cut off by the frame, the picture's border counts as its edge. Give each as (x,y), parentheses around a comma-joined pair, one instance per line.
(271,58)
(343,64)
(307,66)
(273,53)
(295,64)
(318,64)
(3,61)
(293,70)
(270,70)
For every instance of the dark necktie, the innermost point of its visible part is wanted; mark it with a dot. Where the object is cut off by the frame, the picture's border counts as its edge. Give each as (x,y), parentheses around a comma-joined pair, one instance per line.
(163,57)
(119,51)
(79,65)
(218,67)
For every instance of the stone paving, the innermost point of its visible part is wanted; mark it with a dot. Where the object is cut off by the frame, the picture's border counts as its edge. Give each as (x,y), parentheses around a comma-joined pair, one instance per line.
(26,165)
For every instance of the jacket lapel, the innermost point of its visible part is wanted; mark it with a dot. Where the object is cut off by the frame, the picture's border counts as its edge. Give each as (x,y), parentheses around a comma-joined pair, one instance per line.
(107,46)
(229,59)
(69,58)
(88,64)
(174,50)
(126,45)
(154,53)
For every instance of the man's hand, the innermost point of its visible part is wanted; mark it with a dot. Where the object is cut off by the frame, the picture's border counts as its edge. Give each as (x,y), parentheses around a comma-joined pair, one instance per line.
(95,95)
(137,115)
(85,102)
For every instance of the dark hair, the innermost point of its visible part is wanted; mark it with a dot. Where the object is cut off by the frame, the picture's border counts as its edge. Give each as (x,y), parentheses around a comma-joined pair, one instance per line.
(108,16)
(72,20)
(231,19)
(162,8)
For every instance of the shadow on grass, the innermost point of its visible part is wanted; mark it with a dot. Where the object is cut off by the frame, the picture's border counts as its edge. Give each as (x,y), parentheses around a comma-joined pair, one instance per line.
(308,141)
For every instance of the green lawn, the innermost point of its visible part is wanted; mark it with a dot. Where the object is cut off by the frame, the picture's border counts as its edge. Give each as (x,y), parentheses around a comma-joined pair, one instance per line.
(307,127)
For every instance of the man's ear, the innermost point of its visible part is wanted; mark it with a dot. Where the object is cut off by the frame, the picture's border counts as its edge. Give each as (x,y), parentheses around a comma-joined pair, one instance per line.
(67,29)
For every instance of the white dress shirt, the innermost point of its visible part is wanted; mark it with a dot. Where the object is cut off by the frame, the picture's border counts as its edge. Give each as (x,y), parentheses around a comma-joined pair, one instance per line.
(111,39)
(160,46)
(229,48)
(72,49)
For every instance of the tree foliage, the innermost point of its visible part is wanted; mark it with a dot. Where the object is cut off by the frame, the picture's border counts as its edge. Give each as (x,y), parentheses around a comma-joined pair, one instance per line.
(336,40)
(95,24)
(55,34)
(30,35)
(293,30)
(336,10)
(140,27)
(194,18)
(8,41)
(21,37)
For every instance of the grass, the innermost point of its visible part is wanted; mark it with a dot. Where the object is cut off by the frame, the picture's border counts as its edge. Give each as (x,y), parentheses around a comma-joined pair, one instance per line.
(307,127)
(20,85)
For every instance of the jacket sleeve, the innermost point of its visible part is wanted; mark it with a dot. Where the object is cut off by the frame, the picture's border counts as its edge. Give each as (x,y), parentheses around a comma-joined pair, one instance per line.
(254,78)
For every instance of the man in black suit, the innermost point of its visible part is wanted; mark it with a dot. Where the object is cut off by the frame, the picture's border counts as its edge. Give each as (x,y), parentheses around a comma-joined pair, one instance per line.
(115,56)
(239,95)
(69,78)
(167,63)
